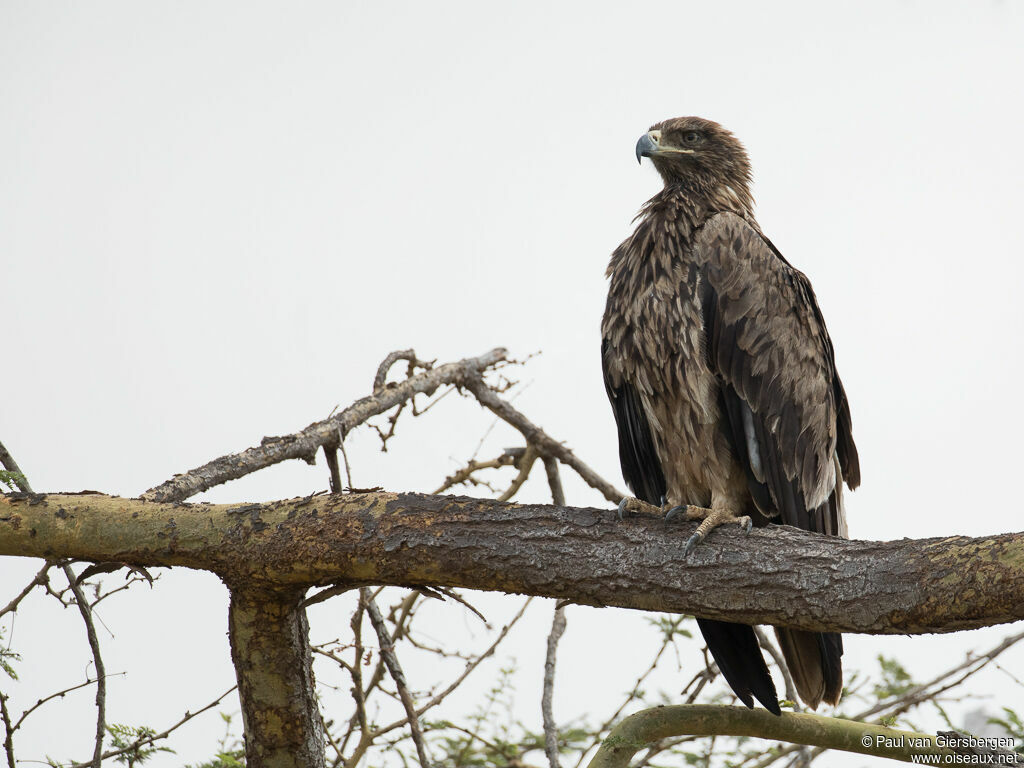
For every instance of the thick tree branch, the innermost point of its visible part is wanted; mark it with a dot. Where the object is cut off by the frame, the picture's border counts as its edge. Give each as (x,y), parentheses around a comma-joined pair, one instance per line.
(776,575)
(273,664)
(651,725)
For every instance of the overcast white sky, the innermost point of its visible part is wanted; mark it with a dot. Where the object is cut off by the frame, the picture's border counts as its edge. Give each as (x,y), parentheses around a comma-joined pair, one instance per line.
(216,219)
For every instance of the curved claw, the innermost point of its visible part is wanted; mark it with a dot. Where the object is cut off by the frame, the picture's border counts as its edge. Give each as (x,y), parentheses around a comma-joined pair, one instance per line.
(622,508)
(747,525)
(692,543)
(675,512)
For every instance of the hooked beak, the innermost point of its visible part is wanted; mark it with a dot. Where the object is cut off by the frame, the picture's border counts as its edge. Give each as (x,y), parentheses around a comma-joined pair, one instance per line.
(648,144)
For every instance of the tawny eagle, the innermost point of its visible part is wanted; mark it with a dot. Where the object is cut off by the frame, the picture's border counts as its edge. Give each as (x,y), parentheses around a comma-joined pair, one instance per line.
(723,382)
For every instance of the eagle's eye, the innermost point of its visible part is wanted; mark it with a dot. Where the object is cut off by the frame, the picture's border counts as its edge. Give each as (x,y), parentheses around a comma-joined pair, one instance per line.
(692,137)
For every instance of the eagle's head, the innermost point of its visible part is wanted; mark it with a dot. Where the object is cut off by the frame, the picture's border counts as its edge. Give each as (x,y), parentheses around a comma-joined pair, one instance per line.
(698,153)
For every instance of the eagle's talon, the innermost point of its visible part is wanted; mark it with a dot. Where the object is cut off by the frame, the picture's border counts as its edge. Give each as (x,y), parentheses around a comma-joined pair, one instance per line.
(623,508)
(692,543)
(679,509)
(746,524)
(632,505)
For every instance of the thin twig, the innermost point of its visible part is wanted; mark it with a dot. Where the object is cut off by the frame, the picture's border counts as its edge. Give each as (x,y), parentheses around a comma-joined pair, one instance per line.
(101,675)
(404,613)
(40,578)
(550,727)
(8,462)
(51,697)
(369,738)
(634,693)
(452,594)
(525,464)
(554,481)
(344,456)
(464,475)
(305,443)
(8,731)
(155,737)
(387,652)
(537,437)
(357,666)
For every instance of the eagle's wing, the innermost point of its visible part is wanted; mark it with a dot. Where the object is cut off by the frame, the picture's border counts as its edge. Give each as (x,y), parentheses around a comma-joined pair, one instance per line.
(638,457)
(785,408)
(787,413)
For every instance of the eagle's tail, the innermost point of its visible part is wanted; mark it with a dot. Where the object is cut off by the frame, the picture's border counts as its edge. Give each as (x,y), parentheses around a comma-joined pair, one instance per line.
(815,662)
(815,659)
(738,655)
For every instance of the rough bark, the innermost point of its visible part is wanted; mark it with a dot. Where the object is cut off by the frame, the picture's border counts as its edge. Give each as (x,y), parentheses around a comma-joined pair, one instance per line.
(273,664)
(776,576)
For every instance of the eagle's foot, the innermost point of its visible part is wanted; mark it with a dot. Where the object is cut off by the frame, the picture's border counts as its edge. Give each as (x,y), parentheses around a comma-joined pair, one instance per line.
(710,519)
(631,505)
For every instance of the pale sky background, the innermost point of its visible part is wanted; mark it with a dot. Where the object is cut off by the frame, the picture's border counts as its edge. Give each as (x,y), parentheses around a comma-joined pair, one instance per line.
(217,218)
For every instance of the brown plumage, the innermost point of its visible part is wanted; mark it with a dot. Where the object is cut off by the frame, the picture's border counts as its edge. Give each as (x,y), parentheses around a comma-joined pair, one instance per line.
(722,379)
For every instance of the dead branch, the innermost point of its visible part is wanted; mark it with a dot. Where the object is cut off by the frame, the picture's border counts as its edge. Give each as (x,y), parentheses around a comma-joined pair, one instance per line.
(387,652)
(58,695)
(367,740)
(304,444)
(508,458)
(550,726)
(381,377)
(101,675)
(145,741)
(525,465)
(40,579)
(634,693)
(537,437)
(5,716)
